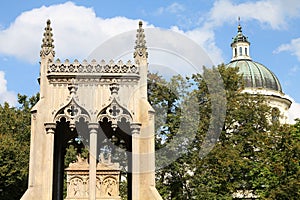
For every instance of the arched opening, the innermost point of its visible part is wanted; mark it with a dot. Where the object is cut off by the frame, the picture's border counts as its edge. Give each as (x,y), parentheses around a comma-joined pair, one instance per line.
(275,114)
(64,139)
(116,144)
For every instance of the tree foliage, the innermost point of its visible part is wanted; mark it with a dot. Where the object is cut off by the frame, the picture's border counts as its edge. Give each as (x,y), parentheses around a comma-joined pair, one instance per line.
(252,155)
(14,147)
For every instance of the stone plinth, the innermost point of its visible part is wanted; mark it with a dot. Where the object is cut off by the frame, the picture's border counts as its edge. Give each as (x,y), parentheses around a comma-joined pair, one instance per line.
(107,184)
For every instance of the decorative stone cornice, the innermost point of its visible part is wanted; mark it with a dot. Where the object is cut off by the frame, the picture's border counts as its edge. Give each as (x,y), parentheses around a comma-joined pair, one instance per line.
(92,80)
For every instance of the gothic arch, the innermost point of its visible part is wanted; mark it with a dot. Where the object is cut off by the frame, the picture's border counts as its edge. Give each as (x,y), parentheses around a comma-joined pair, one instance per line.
(72,112)
(114,113)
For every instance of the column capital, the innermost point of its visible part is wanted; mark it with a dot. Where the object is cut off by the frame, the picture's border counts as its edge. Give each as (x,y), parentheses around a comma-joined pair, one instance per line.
(135,127)
(50,127)
(93,126)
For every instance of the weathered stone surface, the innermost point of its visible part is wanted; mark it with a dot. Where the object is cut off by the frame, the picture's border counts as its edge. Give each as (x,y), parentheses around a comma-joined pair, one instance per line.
(88,93)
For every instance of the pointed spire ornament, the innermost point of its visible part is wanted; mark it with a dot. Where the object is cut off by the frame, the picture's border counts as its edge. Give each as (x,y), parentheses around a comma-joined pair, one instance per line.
(47,45)
(239,25)
(140,43)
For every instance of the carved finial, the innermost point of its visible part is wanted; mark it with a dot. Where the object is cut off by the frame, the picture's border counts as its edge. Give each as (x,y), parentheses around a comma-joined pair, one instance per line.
(140,43)
(47,45)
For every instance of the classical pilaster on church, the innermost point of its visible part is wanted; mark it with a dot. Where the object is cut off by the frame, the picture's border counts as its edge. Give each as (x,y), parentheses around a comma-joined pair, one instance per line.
(93,127)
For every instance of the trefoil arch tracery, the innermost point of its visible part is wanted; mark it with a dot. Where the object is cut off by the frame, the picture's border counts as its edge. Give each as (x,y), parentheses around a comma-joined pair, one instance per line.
(72,112)
(114,112)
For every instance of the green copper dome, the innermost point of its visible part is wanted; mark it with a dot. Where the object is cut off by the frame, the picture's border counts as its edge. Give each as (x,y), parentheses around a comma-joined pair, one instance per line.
(256,75)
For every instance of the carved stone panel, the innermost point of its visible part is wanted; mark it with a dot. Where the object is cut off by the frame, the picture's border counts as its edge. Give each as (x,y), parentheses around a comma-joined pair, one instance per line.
(107,183)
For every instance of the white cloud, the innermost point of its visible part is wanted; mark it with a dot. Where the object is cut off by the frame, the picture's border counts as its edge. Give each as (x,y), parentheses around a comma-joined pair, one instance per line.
(294,111)
(175,8)
(274,13)
(293,47)
(77,31)
(159,11)
(5,95)
(293,71)
(271,12)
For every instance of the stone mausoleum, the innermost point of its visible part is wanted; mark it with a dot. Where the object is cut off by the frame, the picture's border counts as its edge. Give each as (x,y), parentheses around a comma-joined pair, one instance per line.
(104,104)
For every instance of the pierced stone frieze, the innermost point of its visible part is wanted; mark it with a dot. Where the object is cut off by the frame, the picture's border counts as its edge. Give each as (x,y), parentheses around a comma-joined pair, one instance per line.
(76,68)
(102,80)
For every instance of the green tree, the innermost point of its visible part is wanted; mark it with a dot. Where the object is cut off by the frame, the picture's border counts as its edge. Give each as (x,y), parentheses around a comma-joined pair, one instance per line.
(251,155)
(14,147)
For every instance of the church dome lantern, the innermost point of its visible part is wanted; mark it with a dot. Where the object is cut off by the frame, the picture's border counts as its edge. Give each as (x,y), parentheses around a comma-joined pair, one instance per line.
(240,46)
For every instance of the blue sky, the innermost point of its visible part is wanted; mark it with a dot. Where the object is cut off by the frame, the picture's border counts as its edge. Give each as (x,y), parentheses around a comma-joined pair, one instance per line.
(272,27)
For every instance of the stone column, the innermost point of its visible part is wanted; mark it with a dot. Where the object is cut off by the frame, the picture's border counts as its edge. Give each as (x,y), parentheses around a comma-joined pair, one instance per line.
(135,165)
(50,130)
(93,160)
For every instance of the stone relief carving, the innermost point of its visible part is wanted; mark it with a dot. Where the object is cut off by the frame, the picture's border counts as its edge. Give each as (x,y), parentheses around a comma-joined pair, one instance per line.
(110,187)
(77,188)
(107,180)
